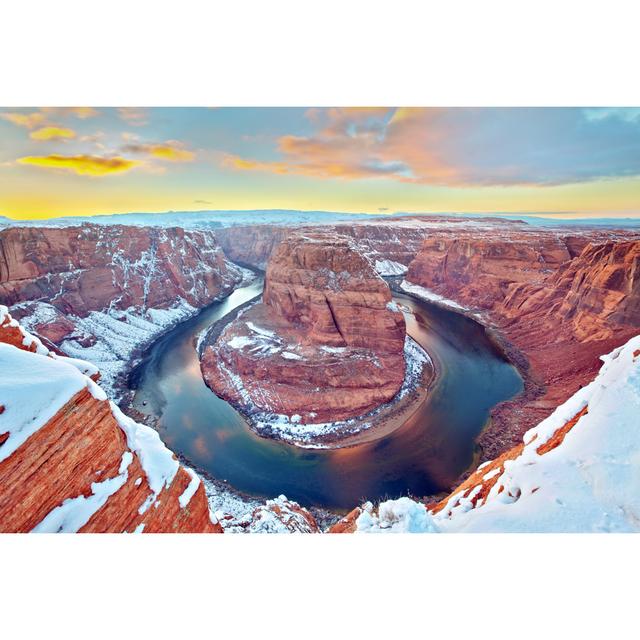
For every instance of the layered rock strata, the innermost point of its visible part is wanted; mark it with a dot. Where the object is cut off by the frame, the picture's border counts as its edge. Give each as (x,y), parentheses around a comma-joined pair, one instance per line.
(103,292)
(70,461)
(558,313)
(325,344)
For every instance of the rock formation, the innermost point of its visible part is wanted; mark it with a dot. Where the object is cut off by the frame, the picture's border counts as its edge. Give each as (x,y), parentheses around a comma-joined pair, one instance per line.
(326,343)
(102,293)
(78,270)
(559,310)
(71,461)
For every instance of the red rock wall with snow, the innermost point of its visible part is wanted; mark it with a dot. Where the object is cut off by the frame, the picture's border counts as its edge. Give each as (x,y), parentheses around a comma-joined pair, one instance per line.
(71,461)
(325,345)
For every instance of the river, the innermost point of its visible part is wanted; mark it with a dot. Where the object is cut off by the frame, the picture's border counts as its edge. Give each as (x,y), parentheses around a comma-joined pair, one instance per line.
(422,457)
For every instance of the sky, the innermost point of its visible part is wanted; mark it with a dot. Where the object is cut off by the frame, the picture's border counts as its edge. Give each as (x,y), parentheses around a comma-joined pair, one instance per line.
(573,162)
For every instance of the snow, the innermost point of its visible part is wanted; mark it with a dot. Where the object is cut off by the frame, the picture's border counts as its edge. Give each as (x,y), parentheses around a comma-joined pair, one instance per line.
(191,489)
(327,349)
(158,462)
(261,331)
(239,342)
(288,355)
(429,296)
(74,513)
(33,388)
(390,268)
(120,334)
(396,516)
(589,483)
(240,514)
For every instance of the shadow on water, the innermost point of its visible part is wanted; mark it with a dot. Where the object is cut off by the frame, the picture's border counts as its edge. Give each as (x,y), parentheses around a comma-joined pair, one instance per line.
(424,456)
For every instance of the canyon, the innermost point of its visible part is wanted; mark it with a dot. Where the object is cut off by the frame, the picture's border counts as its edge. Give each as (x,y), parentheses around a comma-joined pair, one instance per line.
(553,299)
(326,343)
(103,293)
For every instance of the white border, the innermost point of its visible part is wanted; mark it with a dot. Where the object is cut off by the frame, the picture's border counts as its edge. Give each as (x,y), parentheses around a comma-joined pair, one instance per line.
(296,53)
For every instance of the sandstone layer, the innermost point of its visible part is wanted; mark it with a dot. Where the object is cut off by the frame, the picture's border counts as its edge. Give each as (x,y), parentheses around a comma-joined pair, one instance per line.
(558,301)
(325,344)
(77,270)
(71,461)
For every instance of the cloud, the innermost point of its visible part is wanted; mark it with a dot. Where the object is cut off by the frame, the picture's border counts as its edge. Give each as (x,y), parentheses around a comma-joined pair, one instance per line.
(52,133)
(79,112)
(26,120)
(85,165)
(202,202)
(171,150)
(134,116)
(461,146)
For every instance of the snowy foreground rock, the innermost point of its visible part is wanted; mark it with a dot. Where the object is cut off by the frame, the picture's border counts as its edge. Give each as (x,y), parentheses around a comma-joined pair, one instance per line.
(577,471)
(71,461)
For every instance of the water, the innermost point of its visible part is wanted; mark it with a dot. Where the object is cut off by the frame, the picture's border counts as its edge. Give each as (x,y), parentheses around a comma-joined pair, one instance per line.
(424,456)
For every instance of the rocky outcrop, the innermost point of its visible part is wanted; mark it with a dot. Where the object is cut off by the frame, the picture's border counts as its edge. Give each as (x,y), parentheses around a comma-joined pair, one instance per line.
(477,269)
(78,270)
(326,343)
(71,461)
(102,293)
(279,515)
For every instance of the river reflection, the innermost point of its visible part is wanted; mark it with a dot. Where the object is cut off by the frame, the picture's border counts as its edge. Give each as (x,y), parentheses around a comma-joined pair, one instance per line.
(424,456)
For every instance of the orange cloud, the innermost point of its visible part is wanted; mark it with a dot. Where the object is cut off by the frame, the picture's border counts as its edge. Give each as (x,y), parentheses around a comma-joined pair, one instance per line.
(26,120)
(84,165)
(171,150)
(79,112)
(363,142)
(134,116)
(52,133)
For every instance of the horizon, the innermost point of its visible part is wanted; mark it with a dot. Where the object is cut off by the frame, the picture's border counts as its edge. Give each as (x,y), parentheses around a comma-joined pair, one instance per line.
(576,163)
(546,215)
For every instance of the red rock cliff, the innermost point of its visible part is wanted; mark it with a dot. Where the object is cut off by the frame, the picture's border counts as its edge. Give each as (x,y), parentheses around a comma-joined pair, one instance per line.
(71,461)
(77,270)
(559,309)
(325,344)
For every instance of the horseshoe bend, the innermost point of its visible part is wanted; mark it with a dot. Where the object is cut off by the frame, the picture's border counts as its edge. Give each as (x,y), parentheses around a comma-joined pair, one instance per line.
(325,345)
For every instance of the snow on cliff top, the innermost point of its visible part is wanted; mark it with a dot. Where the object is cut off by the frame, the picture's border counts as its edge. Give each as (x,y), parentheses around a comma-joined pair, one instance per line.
(589,483)
(34,387)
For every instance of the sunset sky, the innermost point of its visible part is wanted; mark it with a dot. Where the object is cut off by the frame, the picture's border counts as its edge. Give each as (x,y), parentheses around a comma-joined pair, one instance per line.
(85,161)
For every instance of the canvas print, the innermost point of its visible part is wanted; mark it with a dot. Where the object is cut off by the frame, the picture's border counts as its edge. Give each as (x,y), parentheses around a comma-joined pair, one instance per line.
(319,320)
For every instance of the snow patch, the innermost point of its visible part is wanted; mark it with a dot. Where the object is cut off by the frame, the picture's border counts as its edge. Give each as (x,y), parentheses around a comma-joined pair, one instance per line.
(390,268)
(429,296)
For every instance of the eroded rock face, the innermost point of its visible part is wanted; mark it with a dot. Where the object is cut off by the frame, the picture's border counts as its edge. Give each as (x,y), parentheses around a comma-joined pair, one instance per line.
(561,300)
(325,344)
(597,293)
(477,269)
(87,467)
(77,270)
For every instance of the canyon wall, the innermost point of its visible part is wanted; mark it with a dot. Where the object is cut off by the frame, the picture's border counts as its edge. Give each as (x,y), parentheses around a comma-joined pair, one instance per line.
(326,343)
(92,268)
(559,300)
(71,461)
(102,293)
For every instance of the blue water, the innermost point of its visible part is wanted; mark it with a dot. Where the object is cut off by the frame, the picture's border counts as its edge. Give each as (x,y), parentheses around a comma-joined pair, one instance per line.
(424,456)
